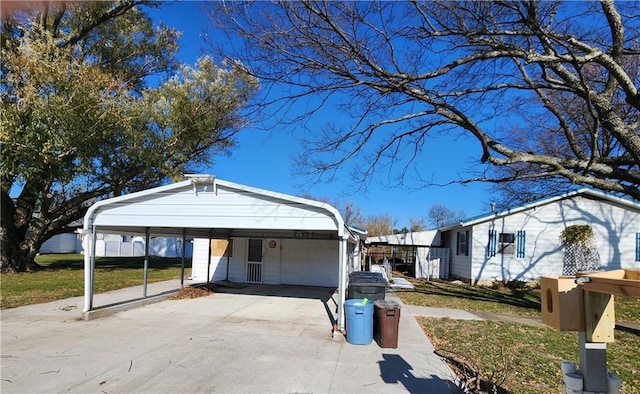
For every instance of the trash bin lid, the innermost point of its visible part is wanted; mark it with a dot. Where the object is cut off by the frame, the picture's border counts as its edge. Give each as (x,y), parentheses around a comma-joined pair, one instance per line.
(386,304)
(367,278)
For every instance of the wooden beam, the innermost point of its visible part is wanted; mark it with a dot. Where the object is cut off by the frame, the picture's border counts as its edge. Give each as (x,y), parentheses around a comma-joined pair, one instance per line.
(617,282)
(632,274)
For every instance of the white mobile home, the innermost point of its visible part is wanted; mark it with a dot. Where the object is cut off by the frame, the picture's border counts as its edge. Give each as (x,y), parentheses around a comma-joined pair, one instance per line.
(241,233)
(524,243)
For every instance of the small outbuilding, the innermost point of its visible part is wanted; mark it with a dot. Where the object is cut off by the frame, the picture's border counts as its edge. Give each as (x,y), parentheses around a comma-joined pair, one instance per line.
(429,260)
(240,233)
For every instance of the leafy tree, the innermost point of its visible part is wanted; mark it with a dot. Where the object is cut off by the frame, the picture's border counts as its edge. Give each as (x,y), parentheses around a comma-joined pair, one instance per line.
(80,122)
(549,90)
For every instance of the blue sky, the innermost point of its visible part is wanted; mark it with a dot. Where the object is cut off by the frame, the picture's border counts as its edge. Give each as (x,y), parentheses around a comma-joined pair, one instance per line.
(266,159)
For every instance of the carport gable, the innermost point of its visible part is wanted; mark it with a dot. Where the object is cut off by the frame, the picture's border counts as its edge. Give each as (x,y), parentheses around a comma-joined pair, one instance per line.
(215,208)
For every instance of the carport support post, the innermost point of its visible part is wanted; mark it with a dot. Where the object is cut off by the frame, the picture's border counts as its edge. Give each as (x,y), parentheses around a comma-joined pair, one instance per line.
(146,264)
(184,252)
(342,285)
(89,266)
(209,259)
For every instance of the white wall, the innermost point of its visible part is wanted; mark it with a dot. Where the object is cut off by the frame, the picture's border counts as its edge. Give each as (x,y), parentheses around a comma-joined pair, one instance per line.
(62,243)
(310,262)
(112,245)
(614,229)
(432,263)
(291,261)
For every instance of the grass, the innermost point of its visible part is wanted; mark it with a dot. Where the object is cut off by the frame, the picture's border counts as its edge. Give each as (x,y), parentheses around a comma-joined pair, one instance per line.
(515,357)
(522,359)
(523,301)
(63,277)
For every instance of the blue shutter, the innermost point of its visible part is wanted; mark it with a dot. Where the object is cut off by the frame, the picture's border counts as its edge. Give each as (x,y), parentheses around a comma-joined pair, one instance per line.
(520,242)
(466,245)
(457,243)
(493,241)
(637,246)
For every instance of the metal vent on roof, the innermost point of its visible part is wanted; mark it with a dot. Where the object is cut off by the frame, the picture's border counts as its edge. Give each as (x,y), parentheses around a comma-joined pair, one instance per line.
(200,179)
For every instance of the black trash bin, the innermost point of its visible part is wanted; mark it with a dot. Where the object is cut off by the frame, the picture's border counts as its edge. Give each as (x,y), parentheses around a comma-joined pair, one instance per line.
(364,284)
(386,322)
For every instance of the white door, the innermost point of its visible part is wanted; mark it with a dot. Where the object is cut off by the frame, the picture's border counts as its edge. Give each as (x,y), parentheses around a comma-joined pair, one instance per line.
(254,261)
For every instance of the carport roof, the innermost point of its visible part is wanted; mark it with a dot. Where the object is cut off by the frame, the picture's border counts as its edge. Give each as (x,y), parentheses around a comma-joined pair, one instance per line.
(415,238)
(203,206)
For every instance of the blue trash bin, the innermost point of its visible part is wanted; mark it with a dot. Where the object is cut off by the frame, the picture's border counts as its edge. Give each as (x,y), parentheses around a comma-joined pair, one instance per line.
(359,321)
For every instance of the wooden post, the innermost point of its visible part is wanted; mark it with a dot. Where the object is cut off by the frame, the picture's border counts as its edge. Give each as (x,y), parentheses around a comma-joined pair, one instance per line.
(599,319)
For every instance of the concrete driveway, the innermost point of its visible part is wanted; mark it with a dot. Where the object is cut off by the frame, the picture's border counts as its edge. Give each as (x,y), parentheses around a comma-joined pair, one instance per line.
(252,340)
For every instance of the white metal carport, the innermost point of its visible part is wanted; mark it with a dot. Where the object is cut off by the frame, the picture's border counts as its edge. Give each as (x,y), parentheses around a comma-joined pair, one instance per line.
(205,207)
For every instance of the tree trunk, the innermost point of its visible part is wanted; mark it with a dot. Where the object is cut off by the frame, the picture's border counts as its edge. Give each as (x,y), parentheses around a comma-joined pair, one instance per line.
(16,256)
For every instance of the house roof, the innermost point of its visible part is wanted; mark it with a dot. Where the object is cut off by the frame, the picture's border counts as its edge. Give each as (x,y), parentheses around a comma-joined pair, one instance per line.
(203,206)
(584,192)
(416,238)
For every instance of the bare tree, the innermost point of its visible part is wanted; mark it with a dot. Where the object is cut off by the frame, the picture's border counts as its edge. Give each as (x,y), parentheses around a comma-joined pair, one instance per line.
(417,224)
(549,90)
(382,224)
(351,214)
(440,214)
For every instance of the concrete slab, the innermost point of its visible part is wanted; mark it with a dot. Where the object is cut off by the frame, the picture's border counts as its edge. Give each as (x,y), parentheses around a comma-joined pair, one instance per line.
(256,339)
(401,283)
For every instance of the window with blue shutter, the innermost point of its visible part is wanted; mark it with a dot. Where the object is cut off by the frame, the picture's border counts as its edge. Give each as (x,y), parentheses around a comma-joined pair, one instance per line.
(520,243)
(493,241)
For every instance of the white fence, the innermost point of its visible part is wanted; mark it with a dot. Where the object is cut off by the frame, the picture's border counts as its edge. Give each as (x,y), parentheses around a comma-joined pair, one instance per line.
(123,246)
(432,263)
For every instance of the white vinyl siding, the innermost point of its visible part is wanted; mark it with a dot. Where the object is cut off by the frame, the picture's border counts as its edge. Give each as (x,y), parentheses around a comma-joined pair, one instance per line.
(291,261)
(224,207)
(542,252)
(218,267)
(309,262)
(271,262)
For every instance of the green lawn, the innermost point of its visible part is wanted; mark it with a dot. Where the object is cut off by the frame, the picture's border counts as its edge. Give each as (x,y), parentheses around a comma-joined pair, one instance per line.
(520,358)
(516,358)
(524,301)
(63,277)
